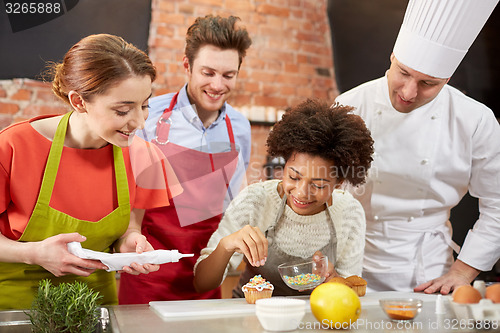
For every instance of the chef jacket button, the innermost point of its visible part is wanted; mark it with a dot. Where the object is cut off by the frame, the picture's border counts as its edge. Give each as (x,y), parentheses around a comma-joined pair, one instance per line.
(434,117)
(375,217)
(379,112)
(424,161)
(410,218)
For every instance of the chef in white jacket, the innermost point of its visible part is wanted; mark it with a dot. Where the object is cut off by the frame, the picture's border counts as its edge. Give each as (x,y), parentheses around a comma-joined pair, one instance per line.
(432,144)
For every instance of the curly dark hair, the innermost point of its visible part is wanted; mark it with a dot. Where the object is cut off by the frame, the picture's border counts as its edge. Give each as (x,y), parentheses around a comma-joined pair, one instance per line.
(332,133)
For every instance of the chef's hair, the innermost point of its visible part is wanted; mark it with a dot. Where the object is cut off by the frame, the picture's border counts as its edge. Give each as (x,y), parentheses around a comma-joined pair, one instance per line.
(333,133)
(223,32)
(96,63)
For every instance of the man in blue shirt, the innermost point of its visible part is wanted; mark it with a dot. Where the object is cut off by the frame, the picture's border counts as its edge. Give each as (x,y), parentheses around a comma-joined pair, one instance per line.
(207,142)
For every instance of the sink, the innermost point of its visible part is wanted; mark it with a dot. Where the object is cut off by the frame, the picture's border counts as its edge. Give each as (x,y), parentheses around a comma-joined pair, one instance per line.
(17,321)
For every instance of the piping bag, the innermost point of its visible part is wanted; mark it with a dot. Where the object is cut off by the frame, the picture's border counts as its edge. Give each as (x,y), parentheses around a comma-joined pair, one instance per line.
(116,261)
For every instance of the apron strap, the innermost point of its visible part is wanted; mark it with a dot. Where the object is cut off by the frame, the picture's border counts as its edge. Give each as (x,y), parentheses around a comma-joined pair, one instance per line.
(233,148)
(50,173)
(230,132)
(420,268)
(164,123)
(446,236)
(333,238)
(270,230)
(122,190)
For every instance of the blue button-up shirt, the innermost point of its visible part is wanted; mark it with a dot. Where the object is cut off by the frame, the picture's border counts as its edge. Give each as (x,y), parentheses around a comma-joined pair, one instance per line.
(187,130)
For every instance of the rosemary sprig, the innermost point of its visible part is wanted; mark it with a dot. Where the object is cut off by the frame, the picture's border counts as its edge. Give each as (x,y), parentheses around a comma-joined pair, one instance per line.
(67,307)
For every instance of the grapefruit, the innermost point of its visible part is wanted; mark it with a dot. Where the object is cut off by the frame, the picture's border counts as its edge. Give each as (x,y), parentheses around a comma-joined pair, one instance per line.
(335,305)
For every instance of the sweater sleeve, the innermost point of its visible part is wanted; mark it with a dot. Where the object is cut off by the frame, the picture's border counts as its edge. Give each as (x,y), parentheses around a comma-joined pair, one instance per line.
(350,225)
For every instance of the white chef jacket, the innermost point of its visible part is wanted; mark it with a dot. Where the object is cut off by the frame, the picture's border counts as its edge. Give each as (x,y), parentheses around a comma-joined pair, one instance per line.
(424,163)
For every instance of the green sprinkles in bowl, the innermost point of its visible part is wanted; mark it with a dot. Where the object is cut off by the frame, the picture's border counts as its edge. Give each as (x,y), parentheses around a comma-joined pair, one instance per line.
(302,279)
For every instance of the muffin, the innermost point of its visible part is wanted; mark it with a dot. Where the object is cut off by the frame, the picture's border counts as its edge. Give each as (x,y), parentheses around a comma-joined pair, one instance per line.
(358,284)
(257,288)
(340,279)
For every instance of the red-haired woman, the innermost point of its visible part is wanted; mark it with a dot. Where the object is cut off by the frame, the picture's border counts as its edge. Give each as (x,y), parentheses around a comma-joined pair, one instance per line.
(73,177)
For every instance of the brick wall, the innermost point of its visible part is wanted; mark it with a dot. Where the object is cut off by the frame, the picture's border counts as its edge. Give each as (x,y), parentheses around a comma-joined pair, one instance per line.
(22,99)
(290,60)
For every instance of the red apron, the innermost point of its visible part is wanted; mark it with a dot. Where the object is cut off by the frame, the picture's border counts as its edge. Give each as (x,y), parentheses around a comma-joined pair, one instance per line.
(189,221)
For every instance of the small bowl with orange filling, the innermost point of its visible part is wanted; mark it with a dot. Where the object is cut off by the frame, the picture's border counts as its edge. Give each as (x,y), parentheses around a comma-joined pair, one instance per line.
(401,309)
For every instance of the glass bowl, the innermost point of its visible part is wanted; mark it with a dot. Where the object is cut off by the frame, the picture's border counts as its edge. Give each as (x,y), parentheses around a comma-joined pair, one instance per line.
(304,274)
(401,309)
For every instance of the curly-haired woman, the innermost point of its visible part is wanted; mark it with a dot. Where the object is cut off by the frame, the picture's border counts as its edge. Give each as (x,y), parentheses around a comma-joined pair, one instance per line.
(276,221)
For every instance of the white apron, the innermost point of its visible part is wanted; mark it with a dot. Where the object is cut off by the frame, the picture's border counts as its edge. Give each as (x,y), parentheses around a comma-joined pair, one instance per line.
(395,200)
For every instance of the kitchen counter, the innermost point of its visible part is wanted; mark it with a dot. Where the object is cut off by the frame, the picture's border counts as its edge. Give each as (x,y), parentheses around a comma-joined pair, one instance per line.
(144,318)
(235,315)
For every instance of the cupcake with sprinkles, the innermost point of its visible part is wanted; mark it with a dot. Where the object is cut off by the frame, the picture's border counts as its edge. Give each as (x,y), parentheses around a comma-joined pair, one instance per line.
(257,288)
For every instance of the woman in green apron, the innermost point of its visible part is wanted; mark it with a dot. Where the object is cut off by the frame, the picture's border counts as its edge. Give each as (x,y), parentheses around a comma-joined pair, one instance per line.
(71,178)
(277,221)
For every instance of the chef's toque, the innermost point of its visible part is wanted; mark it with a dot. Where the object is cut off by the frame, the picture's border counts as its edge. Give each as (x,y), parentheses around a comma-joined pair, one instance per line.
(436,34)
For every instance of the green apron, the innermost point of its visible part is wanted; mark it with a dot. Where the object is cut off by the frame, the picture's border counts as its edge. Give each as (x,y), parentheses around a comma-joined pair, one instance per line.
(18,281)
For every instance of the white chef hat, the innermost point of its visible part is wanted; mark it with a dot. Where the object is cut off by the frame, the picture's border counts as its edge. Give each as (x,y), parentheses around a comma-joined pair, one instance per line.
(436,34)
